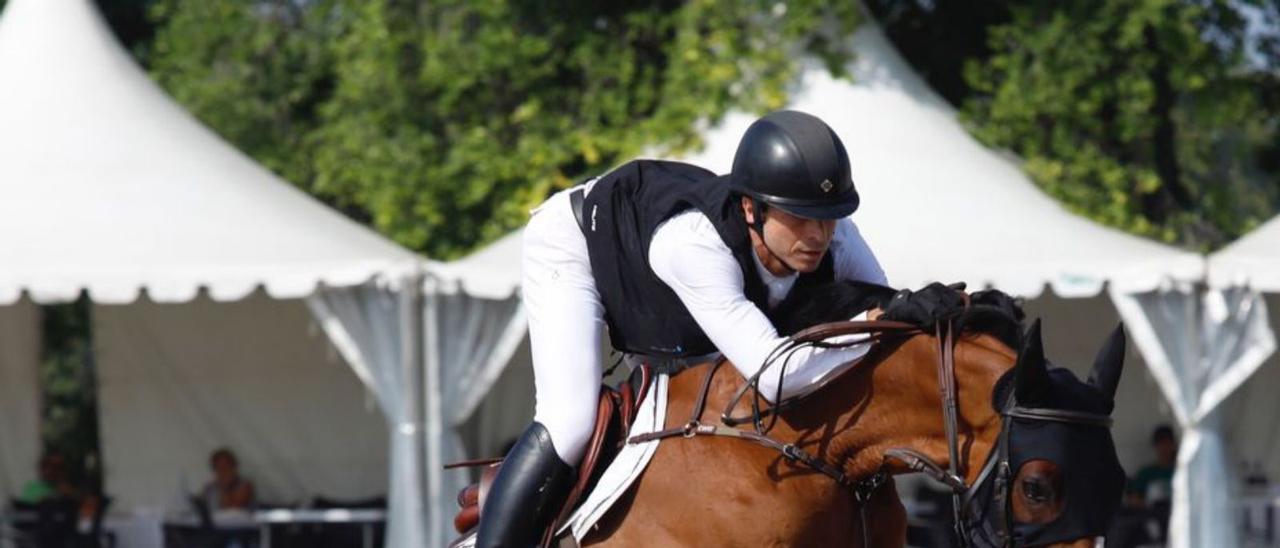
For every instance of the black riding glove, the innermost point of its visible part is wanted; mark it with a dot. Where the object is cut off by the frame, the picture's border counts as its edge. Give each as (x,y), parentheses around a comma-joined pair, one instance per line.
(926,306)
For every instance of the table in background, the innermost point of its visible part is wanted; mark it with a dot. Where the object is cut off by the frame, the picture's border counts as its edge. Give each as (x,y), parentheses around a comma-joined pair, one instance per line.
(1260,517)
(146,530)
(366,518)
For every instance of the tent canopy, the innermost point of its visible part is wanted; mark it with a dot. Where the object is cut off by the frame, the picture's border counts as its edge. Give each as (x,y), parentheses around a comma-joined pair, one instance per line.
(491,273)
(936,204)
(107,185)
(1253,260)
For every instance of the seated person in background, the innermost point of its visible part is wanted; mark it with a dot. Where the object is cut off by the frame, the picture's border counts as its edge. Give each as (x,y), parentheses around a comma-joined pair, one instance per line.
(1144,518)
(52,481)
(228,491)
(1152,486)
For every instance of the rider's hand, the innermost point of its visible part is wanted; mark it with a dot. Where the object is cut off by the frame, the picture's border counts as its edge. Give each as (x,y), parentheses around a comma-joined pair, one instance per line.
(925,306)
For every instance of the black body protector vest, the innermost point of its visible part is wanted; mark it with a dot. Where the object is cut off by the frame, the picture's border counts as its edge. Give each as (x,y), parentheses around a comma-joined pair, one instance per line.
(619,217)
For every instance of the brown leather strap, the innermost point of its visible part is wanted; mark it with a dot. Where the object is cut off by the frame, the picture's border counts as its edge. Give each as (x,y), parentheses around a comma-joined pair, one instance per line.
(475,463)
(947,390)
(824,331)
(818,335)
(694,427)
(701,404)
(694,420)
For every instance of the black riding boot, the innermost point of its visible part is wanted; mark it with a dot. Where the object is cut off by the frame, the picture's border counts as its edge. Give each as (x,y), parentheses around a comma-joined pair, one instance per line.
(527,493)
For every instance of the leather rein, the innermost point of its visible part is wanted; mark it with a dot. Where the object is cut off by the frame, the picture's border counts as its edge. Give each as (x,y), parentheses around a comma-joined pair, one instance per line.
(997,462)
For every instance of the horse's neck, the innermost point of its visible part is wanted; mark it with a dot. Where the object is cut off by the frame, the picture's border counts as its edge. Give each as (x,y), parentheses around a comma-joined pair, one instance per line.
(891,400)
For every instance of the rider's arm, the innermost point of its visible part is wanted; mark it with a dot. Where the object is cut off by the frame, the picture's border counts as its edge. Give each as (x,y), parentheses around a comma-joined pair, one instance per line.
(853,257)
(688,255)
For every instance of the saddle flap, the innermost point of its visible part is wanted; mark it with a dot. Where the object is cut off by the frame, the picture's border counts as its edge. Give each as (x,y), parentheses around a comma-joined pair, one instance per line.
(615,413)
(591,462)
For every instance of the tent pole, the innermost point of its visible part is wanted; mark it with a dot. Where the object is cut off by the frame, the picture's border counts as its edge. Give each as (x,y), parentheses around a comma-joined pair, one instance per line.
(434,412)
(411,371)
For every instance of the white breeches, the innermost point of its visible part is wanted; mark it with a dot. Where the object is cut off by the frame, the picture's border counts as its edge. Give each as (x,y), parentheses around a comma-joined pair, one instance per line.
(566,323)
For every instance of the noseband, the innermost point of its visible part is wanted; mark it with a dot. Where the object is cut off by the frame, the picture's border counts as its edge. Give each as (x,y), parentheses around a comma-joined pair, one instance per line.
(997,467)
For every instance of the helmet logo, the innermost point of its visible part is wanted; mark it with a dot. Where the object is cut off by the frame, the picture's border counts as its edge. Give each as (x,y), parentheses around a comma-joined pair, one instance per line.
(826,185)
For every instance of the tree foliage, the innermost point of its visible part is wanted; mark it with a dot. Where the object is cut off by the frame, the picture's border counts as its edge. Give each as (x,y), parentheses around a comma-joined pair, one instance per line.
(1155,116)
(442,123)
(69,390)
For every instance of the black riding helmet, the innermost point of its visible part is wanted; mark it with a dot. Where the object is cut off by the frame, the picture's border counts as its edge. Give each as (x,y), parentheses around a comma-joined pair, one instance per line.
(794,161)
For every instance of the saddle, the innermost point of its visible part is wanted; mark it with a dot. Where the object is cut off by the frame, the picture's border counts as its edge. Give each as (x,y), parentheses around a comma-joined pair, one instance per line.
(615,413)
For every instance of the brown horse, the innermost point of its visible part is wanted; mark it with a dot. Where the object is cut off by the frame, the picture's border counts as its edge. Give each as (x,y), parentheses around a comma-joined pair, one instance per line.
(722,491)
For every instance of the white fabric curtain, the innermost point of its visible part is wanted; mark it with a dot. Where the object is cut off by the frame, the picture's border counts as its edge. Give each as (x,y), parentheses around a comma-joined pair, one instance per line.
(1250,413)
(469,342)
(1200,346)
(176,381)
(19,395)
(378,330)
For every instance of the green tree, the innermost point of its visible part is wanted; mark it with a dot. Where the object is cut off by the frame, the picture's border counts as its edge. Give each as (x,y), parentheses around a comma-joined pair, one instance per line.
(69,421)
(441,123)
(939,38)
(1155,116)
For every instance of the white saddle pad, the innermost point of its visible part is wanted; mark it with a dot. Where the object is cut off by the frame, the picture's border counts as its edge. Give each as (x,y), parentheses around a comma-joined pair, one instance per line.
(628,465)
(622,472)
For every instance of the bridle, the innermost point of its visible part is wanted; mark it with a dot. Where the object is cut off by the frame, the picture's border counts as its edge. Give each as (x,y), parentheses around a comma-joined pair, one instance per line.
(968,519)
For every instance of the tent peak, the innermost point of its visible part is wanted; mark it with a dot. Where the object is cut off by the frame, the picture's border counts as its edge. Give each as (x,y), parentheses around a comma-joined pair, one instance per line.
(108,185)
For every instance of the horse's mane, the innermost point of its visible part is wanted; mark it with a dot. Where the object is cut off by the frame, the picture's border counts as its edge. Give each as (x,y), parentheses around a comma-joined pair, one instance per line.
(989,312)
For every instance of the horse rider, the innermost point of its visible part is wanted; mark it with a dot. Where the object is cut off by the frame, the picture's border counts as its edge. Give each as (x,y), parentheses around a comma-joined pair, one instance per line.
(678,263)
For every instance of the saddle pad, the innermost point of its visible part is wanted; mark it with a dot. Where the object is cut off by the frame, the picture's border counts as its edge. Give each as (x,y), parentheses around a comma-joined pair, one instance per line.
(622,472)
(627,466)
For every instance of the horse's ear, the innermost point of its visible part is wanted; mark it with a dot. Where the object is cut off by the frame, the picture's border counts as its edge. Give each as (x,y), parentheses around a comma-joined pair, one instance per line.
(1032,377)
(1109,363)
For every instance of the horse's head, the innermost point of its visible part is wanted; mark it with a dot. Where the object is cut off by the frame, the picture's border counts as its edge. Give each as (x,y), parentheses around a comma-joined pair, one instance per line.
(1053,477)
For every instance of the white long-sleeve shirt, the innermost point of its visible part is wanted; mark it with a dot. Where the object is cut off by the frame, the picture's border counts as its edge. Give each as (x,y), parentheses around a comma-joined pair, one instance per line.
(688,255)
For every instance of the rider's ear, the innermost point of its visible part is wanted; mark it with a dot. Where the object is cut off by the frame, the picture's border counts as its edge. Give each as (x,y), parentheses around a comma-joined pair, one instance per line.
(1032,376)
(748,210)
(1109,363)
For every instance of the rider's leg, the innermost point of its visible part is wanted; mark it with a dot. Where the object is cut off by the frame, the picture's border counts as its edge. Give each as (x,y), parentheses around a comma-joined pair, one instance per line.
(565,328)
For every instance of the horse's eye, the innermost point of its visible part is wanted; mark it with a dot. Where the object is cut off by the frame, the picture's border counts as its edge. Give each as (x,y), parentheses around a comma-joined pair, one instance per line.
(1037,490)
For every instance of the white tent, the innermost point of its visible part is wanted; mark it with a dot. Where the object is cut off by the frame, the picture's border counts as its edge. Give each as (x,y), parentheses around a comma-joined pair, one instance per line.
(198,262)
(1254,262)
(1208,347)
(1237,396)
(937,205)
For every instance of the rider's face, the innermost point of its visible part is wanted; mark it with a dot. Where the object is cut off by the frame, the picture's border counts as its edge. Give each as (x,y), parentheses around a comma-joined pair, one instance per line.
(791,243)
